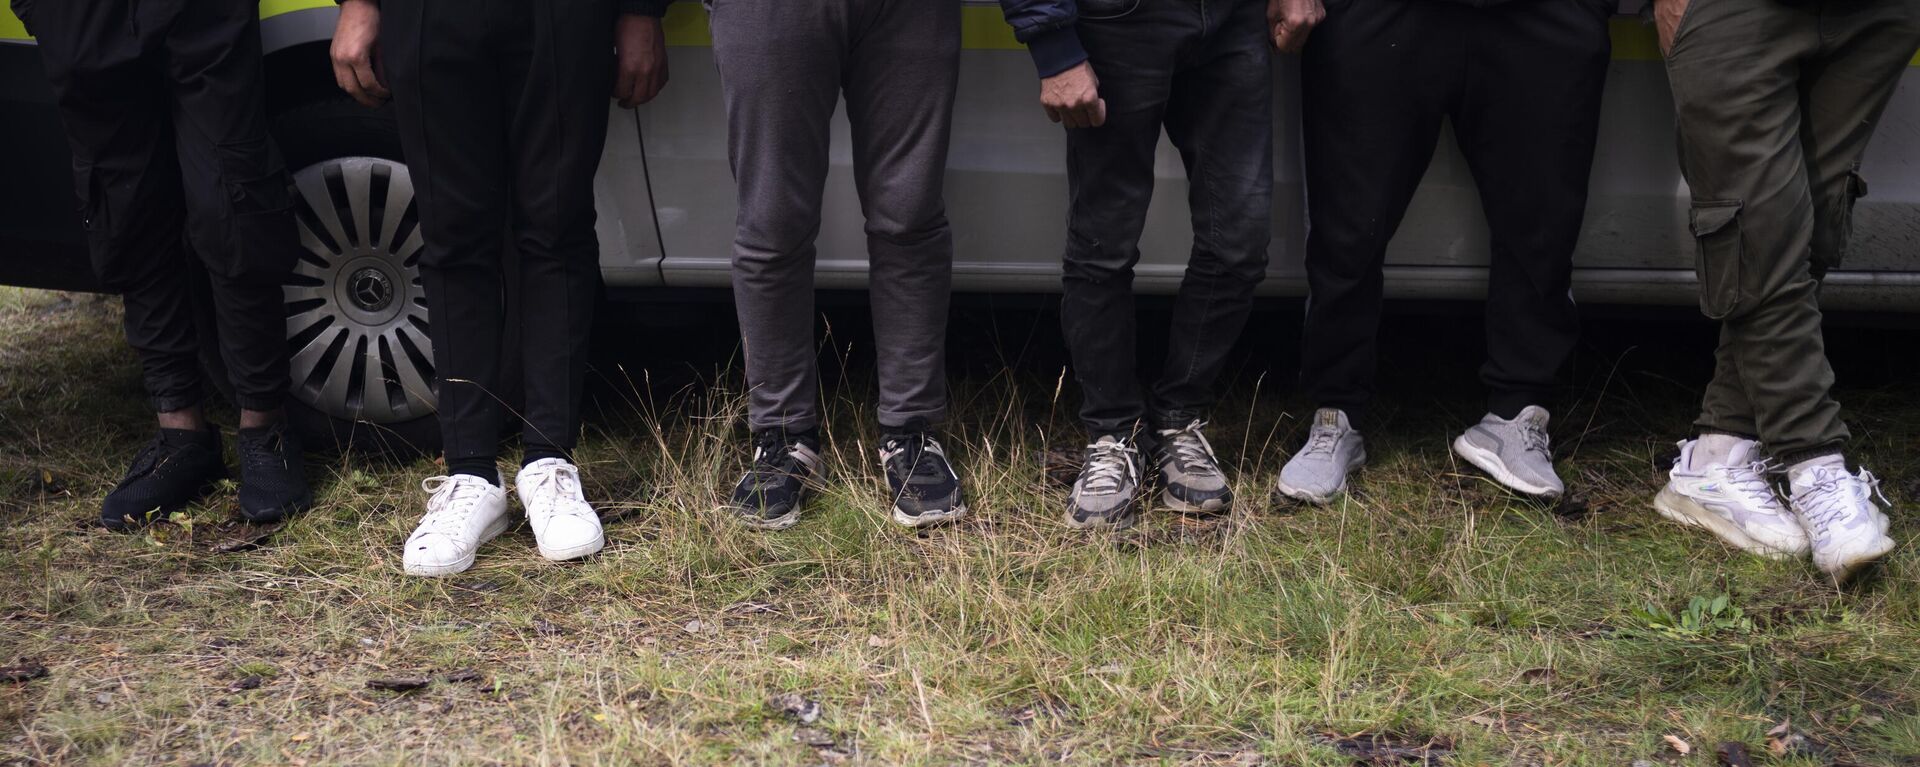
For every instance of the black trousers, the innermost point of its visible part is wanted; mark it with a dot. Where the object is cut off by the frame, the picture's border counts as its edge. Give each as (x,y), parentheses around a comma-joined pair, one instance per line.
(1521,84)
(164,112)
(502,106)
(1199,69)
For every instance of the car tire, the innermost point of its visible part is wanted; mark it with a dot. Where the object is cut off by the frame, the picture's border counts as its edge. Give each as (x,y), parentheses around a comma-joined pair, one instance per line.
(361,357)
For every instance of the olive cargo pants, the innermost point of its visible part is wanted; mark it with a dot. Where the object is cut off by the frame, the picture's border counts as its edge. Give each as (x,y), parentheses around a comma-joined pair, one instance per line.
(1775,104)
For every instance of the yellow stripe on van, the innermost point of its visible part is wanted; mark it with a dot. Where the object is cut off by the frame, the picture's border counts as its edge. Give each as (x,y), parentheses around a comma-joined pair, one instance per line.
(10,26)
(272,8)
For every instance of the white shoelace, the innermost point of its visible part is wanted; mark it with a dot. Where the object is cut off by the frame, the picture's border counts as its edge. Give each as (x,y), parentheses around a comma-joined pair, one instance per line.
(1108,465)
(1534,436)
(1829,499)
(451,500)
(557,486)
(1750,480)
(1321,440)
(1192,449)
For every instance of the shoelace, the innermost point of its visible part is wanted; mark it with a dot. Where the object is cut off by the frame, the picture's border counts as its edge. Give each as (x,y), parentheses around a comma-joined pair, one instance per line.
(1751,480)
(451,500)
(1534,437)
(262,453)
(1108,465)
(560,484)
(1191,449)
(1321,441)
(1824,502)
(917,455)
(773,462)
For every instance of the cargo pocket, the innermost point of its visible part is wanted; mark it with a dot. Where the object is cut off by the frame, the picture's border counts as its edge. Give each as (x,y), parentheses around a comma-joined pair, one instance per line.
(259,239)
(1716,234)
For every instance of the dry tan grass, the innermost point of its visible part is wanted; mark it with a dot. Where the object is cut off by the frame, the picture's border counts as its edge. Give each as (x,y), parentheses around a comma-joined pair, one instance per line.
(1427,605)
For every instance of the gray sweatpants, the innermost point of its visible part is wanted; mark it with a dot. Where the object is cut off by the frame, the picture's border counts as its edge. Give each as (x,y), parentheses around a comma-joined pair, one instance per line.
(783,66)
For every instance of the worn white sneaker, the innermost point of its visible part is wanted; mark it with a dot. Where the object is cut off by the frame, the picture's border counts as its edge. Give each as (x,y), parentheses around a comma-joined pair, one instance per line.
(1733,500)
(1848,529)
(564,526)
(1319,471)
(463,511)
(1514,452)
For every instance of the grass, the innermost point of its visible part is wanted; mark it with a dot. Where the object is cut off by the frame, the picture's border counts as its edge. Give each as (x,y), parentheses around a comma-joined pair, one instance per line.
(1427,608)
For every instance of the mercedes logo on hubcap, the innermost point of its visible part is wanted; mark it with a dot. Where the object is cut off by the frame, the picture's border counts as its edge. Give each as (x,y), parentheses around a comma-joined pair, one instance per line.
(370,289)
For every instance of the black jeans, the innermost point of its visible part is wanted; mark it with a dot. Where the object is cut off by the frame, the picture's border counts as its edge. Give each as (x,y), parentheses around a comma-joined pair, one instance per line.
(1201,70)
(1521,84)
(164,112)
(502,106)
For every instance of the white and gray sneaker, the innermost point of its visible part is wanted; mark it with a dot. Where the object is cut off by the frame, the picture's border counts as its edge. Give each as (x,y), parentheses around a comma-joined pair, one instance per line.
(1107,494)
(1514,452)
(1733,500)
(463,511)
(1191,481)
(1319,471)
(1848,529)
(564,526)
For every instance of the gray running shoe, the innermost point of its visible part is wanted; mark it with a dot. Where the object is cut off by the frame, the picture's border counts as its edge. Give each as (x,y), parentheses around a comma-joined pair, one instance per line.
(1849,531)
(1319,471)
(1514,453)
(1190,478)
(1107,494)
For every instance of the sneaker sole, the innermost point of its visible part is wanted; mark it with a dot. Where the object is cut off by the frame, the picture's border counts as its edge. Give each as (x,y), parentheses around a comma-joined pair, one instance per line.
(1103,523)
(781,522)
(1679,508)
(929,518)
(1860,562)
(280,514)
(1220,507)
(1288,491)
(434,571)
(1490,463)
(561,555)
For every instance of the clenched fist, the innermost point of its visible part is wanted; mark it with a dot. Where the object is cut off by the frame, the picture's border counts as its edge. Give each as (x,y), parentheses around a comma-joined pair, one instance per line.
(1072,98)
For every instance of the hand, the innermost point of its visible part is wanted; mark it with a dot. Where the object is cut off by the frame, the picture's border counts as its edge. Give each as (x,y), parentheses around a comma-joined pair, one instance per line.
(1666,19)
(1073,98)
(1291,20)
(640,68)
(354,67)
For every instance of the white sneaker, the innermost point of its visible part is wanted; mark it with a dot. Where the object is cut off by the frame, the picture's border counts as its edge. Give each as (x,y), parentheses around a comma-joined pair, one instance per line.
(1514,452)
(1849,531)
(1732,500)
(1319,471)
(563,524)
(463,511)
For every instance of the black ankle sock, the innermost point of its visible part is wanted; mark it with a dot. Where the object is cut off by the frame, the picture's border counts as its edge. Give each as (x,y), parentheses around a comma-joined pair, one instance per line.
(484,468)
(541,453)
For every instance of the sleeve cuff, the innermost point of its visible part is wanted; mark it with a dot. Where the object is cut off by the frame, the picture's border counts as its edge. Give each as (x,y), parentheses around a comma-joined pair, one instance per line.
(1056,50)
(644,7)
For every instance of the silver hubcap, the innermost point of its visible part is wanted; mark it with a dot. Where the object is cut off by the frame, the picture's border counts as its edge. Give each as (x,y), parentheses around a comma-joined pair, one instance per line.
(356,314)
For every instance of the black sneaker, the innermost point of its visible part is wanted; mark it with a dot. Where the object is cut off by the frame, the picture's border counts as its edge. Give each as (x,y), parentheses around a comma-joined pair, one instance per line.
(770,495)
(175,469)
(272,484)
(1191,481)
(1107,494)
(926,491)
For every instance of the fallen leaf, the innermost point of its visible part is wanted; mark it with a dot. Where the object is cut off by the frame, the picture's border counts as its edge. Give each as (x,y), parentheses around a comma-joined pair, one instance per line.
(545,628)
(1732,754)
(246,683)
(301,737)
(813,736)
(463,675)
(697,626)
(1679,746)
(876,641)
(399,683)
(22,672)
(796,707)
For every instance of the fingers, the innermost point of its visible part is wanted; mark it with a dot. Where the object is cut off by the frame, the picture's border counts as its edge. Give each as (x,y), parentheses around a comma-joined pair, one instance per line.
(623,78)
(370,83)
(1291,37)
(1097,114)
